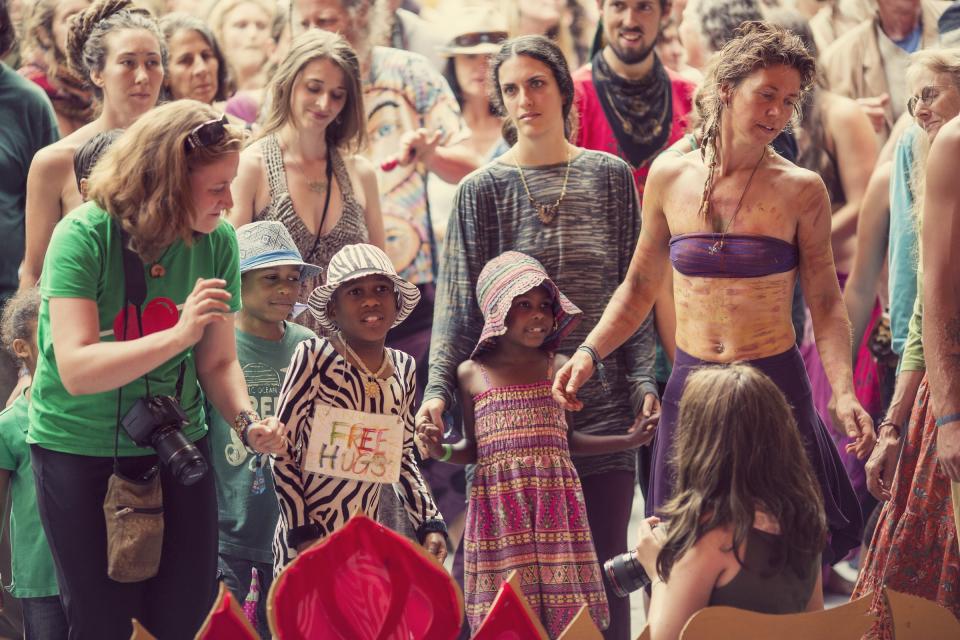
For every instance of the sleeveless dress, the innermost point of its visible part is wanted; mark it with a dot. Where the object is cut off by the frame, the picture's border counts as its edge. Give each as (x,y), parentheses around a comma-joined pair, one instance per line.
(526,511)
(351,228)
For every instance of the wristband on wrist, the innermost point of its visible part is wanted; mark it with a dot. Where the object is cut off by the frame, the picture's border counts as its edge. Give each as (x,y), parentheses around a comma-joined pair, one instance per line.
(948,419)
(887,422)
(242,422)
(447,452)
(597,364)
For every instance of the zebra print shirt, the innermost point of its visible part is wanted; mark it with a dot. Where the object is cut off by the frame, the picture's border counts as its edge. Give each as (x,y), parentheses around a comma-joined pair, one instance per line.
(314,505)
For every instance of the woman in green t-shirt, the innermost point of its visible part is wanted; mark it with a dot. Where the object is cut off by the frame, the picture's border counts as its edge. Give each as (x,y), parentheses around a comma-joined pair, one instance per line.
(165,182)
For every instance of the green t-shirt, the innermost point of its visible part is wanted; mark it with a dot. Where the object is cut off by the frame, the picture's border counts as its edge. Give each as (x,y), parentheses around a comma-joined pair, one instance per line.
(84,260)
(34,575)
(245,495)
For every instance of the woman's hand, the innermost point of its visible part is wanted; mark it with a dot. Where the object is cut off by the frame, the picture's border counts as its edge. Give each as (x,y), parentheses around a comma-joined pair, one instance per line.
(570,378)
(431,438)
(436,545)
(883,463)
(431,411)
(650,540)
(418,144)
(207,303)
(857,424)
(267,436)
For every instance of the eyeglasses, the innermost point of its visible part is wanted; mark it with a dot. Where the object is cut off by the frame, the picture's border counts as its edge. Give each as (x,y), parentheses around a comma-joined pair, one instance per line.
(207,134)
(473,39)
(927,95)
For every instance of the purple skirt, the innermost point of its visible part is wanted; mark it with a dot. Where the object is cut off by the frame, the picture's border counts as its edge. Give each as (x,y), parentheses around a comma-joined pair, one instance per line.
(786,369)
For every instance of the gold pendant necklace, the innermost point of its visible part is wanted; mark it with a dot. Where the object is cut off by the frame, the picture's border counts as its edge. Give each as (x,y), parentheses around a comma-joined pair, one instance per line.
(546,212)
(371,384)
(317,186)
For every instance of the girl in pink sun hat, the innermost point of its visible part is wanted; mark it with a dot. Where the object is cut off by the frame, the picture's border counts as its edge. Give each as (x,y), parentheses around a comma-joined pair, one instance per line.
(526,510)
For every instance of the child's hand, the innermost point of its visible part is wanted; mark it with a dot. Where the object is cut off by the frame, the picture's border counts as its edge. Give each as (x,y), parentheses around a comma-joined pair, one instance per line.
(431,437)
(436,545)
(267,436)
(641,433)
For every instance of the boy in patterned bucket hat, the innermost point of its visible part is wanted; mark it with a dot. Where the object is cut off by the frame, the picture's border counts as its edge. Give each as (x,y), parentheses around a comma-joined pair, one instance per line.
(271,270)
(340,390)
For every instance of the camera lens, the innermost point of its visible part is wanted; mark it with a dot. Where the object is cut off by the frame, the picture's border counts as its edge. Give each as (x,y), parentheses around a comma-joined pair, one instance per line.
(185,461)
(625,574)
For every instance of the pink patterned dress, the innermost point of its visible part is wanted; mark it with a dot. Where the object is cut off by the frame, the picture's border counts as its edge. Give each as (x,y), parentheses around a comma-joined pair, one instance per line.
(526,511)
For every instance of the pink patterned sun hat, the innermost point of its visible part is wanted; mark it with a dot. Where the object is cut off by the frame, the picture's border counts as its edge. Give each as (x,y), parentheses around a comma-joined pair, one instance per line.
(504,278)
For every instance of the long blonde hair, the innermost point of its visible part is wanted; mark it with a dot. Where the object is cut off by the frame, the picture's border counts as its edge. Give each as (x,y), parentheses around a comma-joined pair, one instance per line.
(143,180)
(938,61)
(350,127)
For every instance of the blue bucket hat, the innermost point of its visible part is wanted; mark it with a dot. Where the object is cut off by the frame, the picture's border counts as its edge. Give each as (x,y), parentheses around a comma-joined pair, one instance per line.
(268,244)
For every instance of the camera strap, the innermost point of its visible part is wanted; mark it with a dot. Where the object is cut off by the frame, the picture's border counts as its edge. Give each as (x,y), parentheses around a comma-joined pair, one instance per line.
(134,293)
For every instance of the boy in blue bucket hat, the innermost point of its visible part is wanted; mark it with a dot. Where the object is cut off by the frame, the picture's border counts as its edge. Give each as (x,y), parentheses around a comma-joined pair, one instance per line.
(271,271)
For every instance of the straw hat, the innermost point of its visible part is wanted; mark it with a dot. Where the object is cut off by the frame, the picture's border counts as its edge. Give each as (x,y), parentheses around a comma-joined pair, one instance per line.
(352,262)
(504,278)
(473,29)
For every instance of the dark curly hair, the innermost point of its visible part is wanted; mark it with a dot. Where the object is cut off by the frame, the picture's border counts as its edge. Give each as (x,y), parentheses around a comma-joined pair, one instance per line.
(8,34)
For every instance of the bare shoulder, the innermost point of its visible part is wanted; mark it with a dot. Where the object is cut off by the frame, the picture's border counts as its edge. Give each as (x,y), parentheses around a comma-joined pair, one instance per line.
(359,164)
(252,157)
(791,181)
(667,168)
(468,373)
(948,138)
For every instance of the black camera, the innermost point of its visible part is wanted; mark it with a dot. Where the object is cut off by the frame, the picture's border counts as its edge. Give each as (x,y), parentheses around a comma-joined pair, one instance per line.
(156,422)
(625,574)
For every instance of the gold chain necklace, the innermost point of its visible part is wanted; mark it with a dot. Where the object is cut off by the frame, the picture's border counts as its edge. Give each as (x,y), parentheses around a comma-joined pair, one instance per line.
(718,245)
(370,384)
(546,212)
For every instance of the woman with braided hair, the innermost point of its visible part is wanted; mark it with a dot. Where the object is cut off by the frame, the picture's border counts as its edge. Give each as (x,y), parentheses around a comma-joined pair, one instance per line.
(120,54)
(738,222)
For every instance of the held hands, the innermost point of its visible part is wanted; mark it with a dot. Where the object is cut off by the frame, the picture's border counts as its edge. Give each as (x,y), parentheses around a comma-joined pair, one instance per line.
(436,545)
(206,304)
(267,436)
(642,431)
(883,463)
(857,424)
(571,376)
(430,439)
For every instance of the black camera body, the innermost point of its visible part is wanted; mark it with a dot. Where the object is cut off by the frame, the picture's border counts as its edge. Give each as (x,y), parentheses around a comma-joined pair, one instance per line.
(625,574)
(157,422)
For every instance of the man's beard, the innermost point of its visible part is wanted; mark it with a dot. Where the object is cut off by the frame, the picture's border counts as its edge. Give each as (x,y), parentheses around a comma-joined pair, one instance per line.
(632,56)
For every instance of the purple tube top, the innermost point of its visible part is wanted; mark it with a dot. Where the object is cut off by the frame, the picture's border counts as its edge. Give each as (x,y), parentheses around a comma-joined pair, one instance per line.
(740,256)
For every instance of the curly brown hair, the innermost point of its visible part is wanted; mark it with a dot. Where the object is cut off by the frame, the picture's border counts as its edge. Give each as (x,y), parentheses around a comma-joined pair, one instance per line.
(756,45)
(86,41)
(738,451)
(144,178)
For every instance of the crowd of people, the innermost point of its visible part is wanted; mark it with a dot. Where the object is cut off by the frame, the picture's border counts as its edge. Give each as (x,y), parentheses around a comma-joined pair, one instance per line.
(481,270)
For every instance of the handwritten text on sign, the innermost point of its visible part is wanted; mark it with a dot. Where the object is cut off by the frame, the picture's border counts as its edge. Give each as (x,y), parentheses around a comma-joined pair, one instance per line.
(355,445)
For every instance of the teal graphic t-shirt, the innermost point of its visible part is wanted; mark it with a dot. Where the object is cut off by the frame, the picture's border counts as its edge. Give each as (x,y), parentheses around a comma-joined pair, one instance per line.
(245,494)
(34,575)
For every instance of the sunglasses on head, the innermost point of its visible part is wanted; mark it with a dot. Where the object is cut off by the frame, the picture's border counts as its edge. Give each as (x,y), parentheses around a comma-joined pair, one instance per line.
(207,134)
(927,95)
(473,39)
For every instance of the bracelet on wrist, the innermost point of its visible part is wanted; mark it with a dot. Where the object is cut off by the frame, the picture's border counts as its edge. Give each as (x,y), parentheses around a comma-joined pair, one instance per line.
(886,422)
(948,419)
(597,364)
(447,452)
(242,423)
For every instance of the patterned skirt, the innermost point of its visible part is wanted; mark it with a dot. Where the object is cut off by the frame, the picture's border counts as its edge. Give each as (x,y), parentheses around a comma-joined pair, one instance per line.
(914,547)
(526,512)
